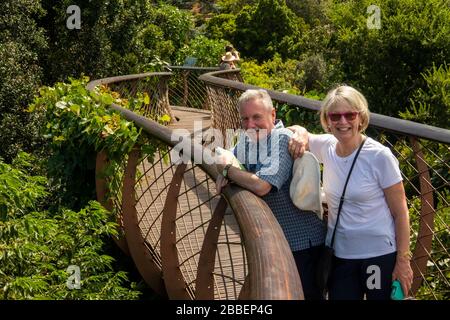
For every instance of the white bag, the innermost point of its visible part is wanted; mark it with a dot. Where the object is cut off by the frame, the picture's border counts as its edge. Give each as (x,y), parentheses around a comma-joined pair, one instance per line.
(305,189)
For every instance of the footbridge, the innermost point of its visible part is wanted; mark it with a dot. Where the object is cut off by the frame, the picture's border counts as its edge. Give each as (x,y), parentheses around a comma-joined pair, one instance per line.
(189,243)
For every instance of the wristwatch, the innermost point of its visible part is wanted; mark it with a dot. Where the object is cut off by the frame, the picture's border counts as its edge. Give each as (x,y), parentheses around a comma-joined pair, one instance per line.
(225,170)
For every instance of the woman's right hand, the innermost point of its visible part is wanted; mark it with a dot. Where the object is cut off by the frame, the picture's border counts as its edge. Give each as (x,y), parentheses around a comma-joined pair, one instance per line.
(403,272)
(299,141)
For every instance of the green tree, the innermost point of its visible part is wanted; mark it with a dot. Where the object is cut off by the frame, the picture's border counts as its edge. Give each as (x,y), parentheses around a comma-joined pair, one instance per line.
(268,28)
(233,6)
(116,37)
(207,51)
(221,26)
(22,44)
(312,11)
(431,104)
(37,246)
(386,63)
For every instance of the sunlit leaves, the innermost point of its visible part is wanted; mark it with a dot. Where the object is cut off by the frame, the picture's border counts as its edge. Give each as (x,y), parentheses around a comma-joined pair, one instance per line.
(36,247)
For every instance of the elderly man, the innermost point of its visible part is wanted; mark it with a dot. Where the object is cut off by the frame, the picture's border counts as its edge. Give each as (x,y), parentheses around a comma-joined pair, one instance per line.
(264,152)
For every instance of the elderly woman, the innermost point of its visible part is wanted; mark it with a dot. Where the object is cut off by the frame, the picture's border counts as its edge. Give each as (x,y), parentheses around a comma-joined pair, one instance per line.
(372,235)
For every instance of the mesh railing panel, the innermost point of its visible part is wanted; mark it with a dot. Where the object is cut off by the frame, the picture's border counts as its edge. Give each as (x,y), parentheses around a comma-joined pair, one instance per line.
(186,90)
(154,87)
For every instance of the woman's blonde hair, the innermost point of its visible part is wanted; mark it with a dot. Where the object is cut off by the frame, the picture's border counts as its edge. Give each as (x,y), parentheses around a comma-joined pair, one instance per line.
(350,95)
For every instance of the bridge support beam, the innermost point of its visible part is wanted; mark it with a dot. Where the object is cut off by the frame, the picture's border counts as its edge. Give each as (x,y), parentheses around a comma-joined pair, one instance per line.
(204,285)
(173,278)
(422,251)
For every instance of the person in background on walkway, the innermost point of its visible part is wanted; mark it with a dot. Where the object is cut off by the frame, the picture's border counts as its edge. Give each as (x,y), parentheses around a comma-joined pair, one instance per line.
(227,62)
(234,52)
(372,236)
(263,150)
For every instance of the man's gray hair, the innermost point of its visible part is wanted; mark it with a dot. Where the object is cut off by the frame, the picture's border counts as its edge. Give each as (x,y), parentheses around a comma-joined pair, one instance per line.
(256,94)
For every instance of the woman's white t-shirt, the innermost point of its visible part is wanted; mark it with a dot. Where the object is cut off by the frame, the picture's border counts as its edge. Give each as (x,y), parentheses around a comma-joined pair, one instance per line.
(366,226)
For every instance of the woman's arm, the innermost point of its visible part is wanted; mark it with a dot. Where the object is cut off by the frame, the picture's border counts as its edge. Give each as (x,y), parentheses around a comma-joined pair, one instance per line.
(299,142)
(396,200)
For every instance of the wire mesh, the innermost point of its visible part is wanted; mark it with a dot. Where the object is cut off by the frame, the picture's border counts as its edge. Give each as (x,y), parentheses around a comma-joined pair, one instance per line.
(153,87)
(186,90)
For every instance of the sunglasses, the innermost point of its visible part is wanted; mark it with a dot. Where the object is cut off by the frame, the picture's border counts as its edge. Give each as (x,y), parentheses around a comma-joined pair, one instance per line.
(336,116)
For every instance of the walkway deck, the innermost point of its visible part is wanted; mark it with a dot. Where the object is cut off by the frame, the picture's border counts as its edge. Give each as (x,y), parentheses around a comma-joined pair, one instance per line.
(187,118)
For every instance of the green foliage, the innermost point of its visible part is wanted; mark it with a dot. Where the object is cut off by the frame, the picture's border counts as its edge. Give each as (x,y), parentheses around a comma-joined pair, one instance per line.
(268,28)
(292,76)
(18,24)
(175,24)
(116,37)
(233,6)
(19,192)
(256,74)
(431,105)
(386,63)
(274,74)
(36,247)
(207,51)
(221,26)
(21,45)
(79,125)
(312,11)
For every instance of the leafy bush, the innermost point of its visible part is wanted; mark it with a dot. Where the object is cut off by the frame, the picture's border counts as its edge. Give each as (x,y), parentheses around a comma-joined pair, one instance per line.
(79,125)
(20,74)
(207,51)
(18,24)
(268,28)
(431,105)
(37,247)
(221,26)
(256,74)
(116,37)
(312,11)
(293,76)
(22,44)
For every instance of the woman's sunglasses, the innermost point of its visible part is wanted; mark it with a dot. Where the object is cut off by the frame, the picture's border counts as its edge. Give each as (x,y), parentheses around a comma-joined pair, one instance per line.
(336,116)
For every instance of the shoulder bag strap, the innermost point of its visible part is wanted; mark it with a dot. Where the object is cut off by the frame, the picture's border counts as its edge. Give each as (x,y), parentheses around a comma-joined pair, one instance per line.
(343,192)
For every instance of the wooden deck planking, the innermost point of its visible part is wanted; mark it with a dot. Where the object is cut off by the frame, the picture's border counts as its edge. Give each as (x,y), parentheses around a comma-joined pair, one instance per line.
(190,119)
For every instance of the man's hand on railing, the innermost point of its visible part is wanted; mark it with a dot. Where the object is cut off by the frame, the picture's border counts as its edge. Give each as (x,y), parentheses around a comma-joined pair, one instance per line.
(224,159)
(220,183)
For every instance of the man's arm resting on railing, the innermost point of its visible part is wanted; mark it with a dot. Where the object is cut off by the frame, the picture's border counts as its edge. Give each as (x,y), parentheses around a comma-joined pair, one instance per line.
(245,179)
